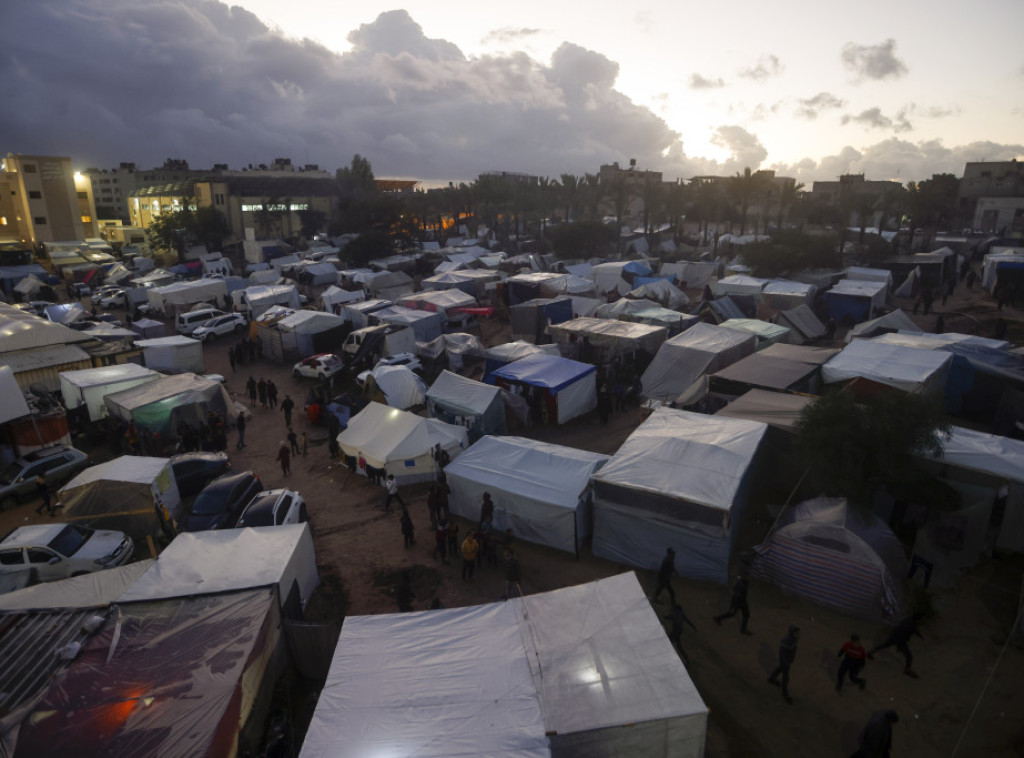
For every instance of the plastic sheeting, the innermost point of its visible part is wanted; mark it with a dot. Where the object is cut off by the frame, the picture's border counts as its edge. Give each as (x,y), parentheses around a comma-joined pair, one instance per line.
(459,400)
(438,301)
(766,332)
(540,491)
(174,355)
(570,385)
(426,325)
(161,405)
(12,400)
(399,385)
(773,408)
(334,295)
(784,294)
(740,284)
(604,339)
(893,321)
(701,349)
(907,368)
(89,386)
(804,324)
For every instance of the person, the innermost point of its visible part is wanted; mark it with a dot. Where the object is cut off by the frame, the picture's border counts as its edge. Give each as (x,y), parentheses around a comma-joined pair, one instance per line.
(604,404)
(286,408)
(231,358)
(900,637)
(408,529)
(441,459)
(738,604)
(513,574)
(392,488)
(250,388)
(305,444)
(854,657)
(875,739)
(665,572)
(284,457)
(261,389)
(441,538)
(293,441)
(678,618)
(240,426)
(787,654)
(453,539)
(43,489)
(486,509)
(830,328)
(271,393)
(470,551)
(433,507)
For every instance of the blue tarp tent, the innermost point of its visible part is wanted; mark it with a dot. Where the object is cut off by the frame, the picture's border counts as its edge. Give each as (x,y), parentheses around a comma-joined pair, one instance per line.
(556,388)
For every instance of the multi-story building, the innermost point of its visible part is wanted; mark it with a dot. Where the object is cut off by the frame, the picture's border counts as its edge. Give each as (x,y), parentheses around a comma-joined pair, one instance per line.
(992,194)
(42,199)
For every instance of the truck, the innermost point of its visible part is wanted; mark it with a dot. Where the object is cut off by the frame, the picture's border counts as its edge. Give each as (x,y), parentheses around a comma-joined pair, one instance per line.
(364,347)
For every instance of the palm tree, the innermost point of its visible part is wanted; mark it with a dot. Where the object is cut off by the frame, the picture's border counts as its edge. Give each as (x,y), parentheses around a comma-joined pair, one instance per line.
(571,190)
(595,192)
(744,188)
(788,195)
(653,196)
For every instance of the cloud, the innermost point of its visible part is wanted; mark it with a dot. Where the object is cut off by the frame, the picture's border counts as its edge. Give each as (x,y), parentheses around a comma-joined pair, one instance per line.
(873,62)
(873,118)
(698,81)
(810,108)
(767,66)
(745,148)
(507,35)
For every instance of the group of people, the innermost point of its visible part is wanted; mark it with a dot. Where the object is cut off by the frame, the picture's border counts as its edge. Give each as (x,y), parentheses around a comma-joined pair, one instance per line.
(266,392)
(246,351)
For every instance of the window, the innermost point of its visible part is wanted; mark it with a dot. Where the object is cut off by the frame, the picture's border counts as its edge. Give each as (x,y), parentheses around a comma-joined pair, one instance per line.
(39,220)
(86,219)
(35,195)
(82,195)
(39,555)
(11,557)
(29,168)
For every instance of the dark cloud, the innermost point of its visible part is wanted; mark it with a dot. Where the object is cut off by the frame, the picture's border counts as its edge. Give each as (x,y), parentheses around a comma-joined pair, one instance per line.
(767,66)
(508,34)
(873,62)
(811,107)
(873,118)
(701,82)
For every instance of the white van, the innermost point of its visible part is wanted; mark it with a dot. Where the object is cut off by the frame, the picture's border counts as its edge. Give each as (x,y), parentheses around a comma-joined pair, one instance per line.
(188,321)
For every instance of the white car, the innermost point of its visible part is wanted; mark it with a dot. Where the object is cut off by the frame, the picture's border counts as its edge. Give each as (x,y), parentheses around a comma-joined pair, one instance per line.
(408,360)
(319,366)
(57,551)
(274,508)
(103,291)
(112,299)
(219,326)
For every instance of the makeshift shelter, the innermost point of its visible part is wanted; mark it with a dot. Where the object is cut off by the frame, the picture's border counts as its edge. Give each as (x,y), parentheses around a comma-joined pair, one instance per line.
(471,281)
(783,368)
(767,333)
(179,297)
(602,341)
(462,401)
(541,492)
(500,355)
(358,313)
(829,553)
(396,385)
(617,275)
(893,321)
(786,295)
(425,324)
(529,320)
(538,285)
(557,389)
(907,368)
(173,355)
(400,442)
(691,274)
(862,274)
(580,671)
(446,302)
(1006,264)
(679,480)
(663,292)
(777,409)
(148,328)
(804,326)
(388,285)
(133,494)
(306,333)
(254,301)
(160,406)
(455,348)
(701,349)
(852,301)
(334,297)
(88,387)
(740,284)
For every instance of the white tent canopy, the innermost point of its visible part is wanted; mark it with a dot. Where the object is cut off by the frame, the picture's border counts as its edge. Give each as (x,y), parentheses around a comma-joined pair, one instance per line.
(175,355)
(12,400)
(907,368)
(89,386)
(701,349)
(893,321)
(401,387)
(580,671)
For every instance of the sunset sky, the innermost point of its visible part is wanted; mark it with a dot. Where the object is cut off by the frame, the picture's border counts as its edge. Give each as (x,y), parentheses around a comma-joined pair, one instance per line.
(446,90)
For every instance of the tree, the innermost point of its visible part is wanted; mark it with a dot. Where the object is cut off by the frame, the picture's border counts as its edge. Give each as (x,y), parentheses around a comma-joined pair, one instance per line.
(744,189)
(571,186)
(209,227)
(788,197)
(789,250)
(367,246)
(582,239)
(169,232)
(311,221)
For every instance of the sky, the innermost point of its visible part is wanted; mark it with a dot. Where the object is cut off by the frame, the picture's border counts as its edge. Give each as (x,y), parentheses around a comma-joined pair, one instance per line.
(443,90)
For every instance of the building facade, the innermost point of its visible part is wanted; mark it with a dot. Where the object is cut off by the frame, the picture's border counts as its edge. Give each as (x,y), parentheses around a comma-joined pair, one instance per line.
(42,199)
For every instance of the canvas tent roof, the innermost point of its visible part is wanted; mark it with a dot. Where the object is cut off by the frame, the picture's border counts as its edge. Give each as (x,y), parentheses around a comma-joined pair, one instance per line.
(802,320)
(894,321)
(440,301)
(612,337)
(89,386)
(542,370)
(155,404)
(989,453)
(906,368)
(701,349)
(929,341)
(664,292)
(567,670)
(20,330)
(462,393)
(779,371)
(740,284)
(309,322)
(12,400)
(766,332)
(513,351)
(777,409)
(92,590)
(400,386)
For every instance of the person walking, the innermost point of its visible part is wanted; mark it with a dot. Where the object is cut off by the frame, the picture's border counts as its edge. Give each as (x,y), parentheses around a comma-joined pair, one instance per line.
(875,739)
(453,539)
(513,574)
(391,485)
(900,637)
(854,657)
(231,358)
(665,572)
(240,426)
(293,441)
(250,388)
(470,551)
(787,654)
(486,509)
(738,604)
(271,393)
(43,490)
(441,459)
(284,457)
(286,408)
(261,389)
(675,635)
(441,538)
(408,530)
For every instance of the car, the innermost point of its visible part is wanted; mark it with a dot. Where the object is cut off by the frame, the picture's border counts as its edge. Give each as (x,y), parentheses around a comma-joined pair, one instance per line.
(409,360)
(78,290)
(104,290)
(221,502)
(187,322)
(57,551)
(56,464)
(193,471)
(114,298)
(274,508)
(319,366)
(219,326)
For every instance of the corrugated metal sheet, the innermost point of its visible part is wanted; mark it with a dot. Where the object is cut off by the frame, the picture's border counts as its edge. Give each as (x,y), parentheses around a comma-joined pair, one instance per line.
(43,366)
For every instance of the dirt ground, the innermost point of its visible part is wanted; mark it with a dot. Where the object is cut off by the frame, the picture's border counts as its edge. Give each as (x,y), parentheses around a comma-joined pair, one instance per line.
(967,702)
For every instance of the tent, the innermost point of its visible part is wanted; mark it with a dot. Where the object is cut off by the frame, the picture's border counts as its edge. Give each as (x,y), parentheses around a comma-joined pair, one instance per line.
(853,301)
(785,295)
(530,319)
(306,333)
(617,275)
(663,292)
(740,284)
(445,302)
(455,347)
(678,481)
(893,321)
(861,274)
(600,341)
(336,296)
(400,442)
(174,355)
(160,406)
(907,368)
(358,313)
(425,324)
(176,298)
(580,671)
(148,328)
(88,387)
(783,368)
(541,284)
(400,387)
(471,281)
(133,494)
(828,553)
(540,491)
(500,355)
(557,388)
(701,349)
(690,274)
(388,285)
(777,409)
(459,400)
(766,332)
(803,324)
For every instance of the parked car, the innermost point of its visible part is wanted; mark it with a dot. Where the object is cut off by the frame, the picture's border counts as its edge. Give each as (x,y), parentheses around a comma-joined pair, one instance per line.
(219,326)
(187,322)
(55,464)
(221,502)
(193,471)
(57,551)
(319,366)
(274,508)
(104,290)
(78,290)
(114,298)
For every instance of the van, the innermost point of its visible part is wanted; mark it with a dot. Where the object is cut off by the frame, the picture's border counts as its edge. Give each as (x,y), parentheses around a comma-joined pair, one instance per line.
(188,321)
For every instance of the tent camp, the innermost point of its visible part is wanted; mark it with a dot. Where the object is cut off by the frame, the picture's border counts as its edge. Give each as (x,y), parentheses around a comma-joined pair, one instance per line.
(907,368)
(829,553)
(786,295)
(89,386)
(397,386)
(459,400)
(678,481)
(148,328)
(540,491)
(306,333)
(600,341)
(529,320)
(557,389)
(400,442)
(426,325)
(701,349)
(853,301)
(173,355)
(766,332)
(803,324)
(160,406)
(580,671)
(133,494)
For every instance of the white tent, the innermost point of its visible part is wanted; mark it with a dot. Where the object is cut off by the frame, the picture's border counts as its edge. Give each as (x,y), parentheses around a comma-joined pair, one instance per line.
(701,349)
(438,301)
(907,368)
(89,386)
(677,481)
(893,321)
(663,292)
(580,671)
(466,402)
(400,386)
(803,324)
(175,355)
(740,284)
(784,294)
(12,399)
(540,491)
(692,275)
(400,442)
(180,296)
(861,274)
(336,296)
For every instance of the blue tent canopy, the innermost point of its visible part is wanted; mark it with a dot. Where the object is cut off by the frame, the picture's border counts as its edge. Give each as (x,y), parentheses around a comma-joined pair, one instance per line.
(541,370)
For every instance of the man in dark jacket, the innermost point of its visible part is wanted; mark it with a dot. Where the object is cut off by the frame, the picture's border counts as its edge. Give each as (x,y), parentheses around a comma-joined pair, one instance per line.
(899,637)
(787,654)
(738,604)
(875,738)
(240,426)
(665,572)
